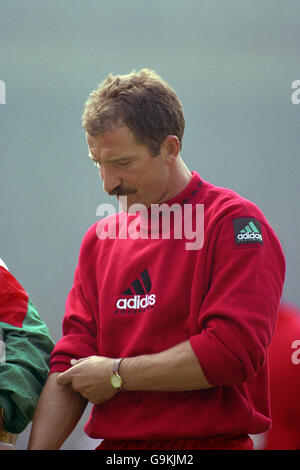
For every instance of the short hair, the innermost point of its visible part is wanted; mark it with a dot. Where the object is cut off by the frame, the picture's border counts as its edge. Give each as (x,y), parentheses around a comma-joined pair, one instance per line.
(142,101)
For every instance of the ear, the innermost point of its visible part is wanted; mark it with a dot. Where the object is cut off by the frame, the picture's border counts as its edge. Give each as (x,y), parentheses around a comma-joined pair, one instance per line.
(170,148)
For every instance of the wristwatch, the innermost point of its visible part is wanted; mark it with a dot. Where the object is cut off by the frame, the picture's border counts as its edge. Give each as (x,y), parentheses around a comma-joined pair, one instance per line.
(115,378)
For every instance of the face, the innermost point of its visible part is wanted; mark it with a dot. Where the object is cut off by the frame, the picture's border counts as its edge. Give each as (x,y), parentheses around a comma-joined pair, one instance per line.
(127,167)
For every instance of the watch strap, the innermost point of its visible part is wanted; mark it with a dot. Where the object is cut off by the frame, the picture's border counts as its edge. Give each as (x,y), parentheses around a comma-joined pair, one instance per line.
(116,365)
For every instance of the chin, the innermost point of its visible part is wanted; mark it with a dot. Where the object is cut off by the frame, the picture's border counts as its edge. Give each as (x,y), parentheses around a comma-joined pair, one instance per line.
(133,204)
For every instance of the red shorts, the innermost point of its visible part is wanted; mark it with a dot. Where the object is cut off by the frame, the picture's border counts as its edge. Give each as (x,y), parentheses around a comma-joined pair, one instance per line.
(234,443)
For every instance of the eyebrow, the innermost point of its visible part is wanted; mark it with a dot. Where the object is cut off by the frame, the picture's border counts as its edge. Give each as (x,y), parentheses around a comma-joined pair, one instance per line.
(113,160)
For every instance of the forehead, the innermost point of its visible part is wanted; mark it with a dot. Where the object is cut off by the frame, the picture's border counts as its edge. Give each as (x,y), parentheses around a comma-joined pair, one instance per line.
(111,142)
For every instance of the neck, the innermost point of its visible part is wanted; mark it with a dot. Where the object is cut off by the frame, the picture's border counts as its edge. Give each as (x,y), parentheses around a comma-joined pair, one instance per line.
(180,177)
(184,174)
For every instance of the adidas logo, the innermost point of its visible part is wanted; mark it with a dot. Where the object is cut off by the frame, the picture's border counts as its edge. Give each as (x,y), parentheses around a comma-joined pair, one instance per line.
(136,302)
(250,232)
(141,287)
(247,230)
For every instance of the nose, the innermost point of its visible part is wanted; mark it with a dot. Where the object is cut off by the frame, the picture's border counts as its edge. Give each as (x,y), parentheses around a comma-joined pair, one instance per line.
(111,180)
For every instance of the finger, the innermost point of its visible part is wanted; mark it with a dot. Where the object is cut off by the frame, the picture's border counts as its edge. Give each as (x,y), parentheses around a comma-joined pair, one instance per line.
(73,362)
(64,378)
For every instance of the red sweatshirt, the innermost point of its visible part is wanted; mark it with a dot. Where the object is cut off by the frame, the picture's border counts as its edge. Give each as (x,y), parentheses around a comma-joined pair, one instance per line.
(142,296)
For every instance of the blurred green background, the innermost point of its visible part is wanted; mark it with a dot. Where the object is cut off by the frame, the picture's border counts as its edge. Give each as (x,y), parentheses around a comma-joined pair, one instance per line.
(232,64)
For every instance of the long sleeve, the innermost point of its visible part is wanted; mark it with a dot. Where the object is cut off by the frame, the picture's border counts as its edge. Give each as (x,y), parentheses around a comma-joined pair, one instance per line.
(25,347)
(79,330)
(239,313)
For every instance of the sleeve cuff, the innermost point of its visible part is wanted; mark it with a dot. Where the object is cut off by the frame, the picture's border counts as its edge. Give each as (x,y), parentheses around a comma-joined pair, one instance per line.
(213,359)
(60,363)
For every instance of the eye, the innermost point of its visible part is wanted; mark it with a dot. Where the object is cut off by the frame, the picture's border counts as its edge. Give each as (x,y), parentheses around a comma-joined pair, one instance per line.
(122,163)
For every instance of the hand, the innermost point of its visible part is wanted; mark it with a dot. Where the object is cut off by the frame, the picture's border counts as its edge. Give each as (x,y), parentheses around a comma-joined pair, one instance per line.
(90,377)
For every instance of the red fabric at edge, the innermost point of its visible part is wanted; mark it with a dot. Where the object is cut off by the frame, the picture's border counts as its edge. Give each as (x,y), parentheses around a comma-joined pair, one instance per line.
(236,443)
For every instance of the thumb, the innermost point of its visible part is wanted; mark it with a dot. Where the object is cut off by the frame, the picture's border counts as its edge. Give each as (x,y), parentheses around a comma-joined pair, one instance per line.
(64,378)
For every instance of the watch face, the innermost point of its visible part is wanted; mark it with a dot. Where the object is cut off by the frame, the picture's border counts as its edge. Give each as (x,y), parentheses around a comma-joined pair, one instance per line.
(116,381)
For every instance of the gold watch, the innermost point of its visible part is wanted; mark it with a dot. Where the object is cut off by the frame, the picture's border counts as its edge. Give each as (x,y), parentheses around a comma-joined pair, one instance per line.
(115,379)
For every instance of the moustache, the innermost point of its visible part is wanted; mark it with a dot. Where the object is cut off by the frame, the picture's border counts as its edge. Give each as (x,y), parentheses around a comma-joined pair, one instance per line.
(122,192)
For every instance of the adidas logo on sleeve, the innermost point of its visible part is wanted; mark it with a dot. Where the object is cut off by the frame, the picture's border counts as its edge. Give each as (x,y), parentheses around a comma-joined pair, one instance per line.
(247,230)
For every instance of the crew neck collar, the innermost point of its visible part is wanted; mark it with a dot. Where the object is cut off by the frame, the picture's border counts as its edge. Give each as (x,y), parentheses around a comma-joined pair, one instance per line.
(187,195)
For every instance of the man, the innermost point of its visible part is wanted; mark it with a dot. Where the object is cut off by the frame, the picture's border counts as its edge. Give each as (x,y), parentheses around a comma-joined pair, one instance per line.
(168,342)
(25,348)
